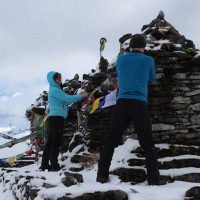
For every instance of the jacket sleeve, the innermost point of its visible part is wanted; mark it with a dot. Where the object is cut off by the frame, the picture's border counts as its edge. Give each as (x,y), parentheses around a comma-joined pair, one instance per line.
(62,96)
(152,72)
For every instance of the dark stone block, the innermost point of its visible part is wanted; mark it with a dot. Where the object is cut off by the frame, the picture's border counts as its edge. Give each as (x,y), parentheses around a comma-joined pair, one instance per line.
(193,193)
(72,179)
(136,162)
(76,169)
(109,195)
(165,179)
(192,177)
(172,151)
(80,158)
(180,163)
(130,175)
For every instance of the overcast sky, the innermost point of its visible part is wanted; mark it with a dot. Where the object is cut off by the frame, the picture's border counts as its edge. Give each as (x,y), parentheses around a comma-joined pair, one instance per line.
(37,36)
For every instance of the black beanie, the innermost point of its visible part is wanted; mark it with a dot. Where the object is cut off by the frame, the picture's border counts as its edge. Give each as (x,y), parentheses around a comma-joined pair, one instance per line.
(138,41)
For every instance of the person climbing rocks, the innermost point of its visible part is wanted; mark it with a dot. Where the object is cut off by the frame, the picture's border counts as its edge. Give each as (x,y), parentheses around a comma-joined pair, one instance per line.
(134,71)
(58,105)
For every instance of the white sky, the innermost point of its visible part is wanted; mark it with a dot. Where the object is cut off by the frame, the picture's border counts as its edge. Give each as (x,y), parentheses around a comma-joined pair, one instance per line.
(37,36)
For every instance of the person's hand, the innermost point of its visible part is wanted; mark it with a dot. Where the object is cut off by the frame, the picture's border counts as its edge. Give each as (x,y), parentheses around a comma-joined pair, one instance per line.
(84,94)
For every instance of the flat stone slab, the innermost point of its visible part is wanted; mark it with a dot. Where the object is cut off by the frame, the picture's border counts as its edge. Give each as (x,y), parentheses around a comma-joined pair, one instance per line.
(192,177)
(171,152)
(193,193)
(130,175)
(108,195)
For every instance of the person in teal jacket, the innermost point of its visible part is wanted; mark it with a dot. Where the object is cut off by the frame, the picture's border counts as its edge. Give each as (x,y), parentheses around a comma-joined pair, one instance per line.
(58,111)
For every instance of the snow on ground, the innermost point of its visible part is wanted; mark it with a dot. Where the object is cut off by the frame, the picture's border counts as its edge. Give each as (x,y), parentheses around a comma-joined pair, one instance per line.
(5,195)
(3,140)
(172,191)
(16,149)
(5,130)
(22,134)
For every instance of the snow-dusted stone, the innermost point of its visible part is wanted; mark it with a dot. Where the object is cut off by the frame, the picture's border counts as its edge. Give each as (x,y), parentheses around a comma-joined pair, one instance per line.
(165,180)
(109,195)
(171,151)
(130,175)
(180,163)
(76,169)
(162,127)
(72,179)
(180,76)
(192,93)
(195,107)
(192,177)
(193,193)
(81,158)
(180,99)
(33,192)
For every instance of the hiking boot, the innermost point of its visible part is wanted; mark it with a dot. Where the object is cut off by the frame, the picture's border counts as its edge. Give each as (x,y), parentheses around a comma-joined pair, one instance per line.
(102,179)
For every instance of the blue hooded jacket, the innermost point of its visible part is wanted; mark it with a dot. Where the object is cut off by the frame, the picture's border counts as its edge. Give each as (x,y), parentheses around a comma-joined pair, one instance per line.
(59,100)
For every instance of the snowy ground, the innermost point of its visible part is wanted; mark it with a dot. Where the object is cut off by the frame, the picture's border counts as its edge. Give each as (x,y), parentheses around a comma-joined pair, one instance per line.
(172,191)
(16,149)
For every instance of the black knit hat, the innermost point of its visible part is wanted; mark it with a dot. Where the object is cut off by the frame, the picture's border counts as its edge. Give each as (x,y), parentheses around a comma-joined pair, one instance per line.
(138,41)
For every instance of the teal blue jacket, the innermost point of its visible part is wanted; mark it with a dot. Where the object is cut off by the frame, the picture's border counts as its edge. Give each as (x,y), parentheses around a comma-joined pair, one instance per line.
(135,70)
(59,100)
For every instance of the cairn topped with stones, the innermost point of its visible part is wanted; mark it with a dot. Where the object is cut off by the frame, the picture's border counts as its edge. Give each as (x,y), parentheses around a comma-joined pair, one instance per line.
(161,35)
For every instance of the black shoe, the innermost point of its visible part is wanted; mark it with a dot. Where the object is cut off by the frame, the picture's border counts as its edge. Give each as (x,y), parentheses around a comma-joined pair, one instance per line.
(102,179)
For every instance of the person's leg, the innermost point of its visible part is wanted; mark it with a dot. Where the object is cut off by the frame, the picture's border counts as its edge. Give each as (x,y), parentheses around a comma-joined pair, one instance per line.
(142,121)
(119,122)
(58,126)
(45,156)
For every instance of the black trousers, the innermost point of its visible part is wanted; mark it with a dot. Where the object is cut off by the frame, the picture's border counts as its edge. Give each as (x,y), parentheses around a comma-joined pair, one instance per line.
(125,111)
(54,140)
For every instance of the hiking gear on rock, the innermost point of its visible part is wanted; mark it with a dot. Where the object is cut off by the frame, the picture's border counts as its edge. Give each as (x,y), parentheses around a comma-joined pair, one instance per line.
(134,70)
(127,110)
(59,100)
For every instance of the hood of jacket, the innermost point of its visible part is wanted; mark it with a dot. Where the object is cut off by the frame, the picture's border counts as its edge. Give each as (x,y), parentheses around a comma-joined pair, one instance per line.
(50,79)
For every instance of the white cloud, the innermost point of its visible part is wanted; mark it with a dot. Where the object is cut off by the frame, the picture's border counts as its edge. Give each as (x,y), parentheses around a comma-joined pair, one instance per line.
(39,36)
